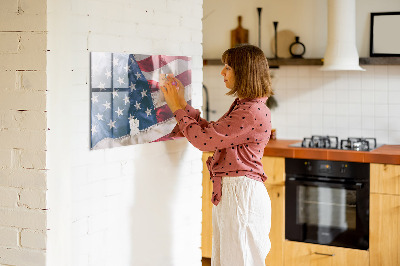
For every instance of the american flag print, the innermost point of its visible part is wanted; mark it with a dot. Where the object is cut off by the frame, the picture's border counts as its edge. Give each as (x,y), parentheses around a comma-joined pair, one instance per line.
(127,105)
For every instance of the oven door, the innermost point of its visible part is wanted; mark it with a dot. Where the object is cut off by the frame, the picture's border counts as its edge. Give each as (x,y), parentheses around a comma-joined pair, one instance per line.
(327,213)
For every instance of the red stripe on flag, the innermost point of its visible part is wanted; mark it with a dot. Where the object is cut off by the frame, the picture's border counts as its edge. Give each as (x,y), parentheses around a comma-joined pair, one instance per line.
(156,61)
(163,113)
(185,77)
(154,85)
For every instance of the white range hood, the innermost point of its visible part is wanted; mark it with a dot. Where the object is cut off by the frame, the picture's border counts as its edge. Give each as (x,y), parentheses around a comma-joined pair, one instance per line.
(341,51)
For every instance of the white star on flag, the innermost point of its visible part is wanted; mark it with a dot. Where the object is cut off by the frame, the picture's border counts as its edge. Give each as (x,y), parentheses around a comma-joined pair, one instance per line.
(107,105)
(94,130)
(115,93)
(126,99)
(138,75)
(132,86)
(95,99)
(131,117)
(121,81)
(144,93)
(102,86)
(108,74)
(127,68)
(111,124)
(119,111)
(99,116)
(148,111)
(137,105)
(115,61)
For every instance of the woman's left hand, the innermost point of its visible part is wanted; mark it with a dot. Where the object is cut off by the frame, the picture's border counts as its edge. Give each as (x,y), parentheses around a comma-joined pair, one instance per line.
(170,91)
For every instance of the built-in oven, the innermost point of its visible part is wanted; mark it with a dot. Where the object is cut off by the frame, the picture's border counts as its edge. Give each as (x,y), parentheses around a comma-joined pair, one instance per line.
(327,202)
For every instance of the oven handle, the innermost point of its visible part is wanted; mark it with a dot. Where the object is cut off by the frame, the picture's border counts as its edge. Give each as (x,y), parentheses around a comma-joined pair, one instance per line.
(357,185)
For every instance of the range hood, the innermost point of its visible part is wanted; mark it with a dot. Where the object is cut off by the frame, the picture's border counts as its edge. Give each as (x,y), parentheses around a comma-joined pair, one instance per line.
(341,51)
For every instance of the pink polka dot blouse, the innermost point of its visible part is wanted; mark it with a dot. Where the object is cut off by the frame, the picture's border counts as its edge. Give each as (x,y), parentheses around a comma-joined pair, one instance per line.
(238,139)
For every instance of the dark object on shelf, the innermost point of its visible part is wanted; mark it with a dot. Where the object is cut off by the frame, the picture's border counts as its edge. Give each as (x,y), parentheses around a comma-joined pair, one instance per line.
(271,103)
(276,38)
(383,40)
(207,103)
(259,26)
(239,35)
(297,49)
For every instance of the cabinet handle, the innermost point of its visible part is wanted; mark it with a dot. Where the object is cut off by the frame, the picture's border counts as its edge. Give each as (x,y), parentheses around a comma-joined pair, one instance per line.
(324,254)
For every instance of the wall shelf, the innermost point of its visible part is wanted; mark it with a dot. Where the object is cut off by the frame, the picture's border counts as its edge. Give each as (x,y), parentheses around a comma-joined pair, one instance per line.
(274,63)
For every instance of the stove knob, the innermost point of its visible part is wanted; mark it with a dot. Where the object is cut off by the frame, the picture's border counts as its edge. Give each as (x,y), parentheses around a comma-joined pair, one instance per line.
(308,166)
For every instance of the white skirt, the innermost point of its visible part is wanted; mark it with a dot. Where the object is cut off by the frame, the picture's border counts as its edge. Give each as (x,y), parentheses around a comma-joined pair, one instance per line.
(241,223)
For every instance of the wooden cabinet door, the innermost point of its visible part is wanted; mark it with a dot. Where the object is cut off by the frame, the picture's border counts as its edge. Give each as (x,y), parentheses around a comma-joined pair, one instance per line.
(384,237)
(385,178)
(206,226)
(304,254)
(274,168)
(277,233)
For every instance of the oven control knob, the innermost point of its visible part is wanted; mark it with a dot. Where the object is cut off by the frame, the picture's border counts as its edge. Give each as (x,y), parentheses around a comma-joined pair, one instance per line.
(308,166)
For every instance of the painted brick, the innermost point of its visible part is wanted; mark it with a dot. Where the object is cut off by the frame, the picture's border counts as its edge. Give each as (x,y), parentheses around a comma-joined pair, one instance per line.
(8,237)
(33,199)
(22,22)
(5,158)
(9,42)
(98,222)
(34,120)
(22,100)
(33,239)
(7,80)
(23,178)
(36,7)
(30,61)
(23,218)
(30,80)
(8,197)
(17,256)
(33,159)
(8,6)
(16,139)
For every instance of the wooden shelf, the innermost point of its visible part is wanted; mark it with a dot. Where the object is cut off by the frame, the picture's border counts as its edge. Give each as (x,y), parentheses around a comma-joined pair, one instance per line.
(274,63)
(380,61)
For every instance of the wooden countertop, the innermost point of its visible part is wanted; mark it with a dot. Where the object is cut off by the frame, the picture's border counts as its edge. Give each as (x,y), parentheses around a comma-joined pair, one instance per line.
(389,154)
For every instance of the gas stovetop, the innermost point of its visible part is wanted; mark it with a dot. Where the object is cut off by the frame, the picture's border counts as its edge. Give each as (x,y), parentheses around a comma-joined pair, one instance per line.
(332,142)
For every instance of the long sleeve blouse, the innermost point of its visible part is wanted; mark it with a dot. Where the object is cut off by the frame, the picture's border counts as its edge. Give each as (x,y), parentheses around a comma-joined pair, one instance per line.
(238,139)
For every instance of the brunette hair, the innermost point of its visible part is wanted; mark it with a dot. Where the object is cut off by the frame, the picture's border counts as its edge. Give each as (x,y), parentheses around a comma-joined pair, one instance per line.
(250,66)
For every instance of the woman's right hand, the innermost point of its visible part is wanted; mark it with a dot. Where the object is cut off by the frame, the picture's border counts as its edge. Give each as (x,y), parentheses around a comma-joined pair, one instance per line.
(181,90)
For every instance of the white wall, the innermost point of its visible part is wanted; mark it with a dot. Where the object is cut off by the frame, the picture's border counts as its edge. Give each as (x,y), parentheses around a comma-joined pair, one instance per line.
(311,102)
(23,133)
(306,19)
(134,205)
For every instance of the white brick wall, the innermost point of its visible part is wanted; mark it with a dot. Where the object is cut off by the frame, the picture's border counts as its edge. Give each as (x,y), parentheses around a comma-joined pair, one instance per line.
(134,205)
(23,132)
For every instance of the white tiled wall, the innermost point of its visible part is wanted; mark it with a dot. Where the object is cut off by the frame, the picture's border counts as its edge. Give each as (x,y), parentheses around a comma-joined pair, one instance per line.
(313,102)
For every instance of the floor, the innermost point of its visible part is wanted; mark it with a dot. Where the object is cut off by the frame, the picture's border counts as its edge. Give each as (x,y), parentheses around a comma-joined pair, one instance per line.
(206,261)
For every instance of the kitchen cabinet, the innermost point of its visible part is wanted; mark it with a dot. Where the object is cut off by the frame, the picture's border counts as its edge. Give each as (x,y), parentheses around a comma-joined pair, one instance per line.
(385,215)
(274,168)
(305,254)
(206,225)
(385,178)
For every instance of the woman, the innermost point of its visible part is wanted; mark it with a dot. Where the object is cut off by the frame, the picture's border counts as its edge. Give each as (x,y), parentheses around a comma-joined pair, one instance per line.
(242,211)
